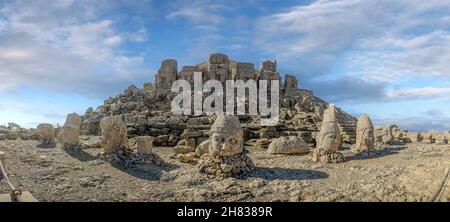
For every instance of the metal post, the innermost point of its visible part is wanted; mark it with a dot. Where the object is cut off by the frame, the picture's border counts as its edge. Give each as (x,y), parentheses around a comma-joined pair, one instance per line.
(2,157)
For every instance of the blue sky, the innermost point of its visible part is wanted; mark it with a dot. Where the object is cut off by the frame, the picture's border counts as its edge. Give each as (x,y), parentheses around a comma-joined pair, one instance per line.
(389,59)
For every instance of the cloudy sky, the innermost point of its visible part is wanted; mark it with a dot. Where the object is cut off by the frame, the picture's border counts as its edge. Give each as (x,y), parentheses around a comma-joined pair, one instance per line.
(388,58)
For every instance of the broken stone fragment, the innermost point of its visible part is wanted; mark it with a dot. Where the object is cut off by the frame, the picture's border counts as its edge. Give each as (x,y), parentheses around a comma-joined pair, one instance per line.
(114,134)
(71,130)
(185,158)
(288,145)
(183,149)
(223,167)
(202,148)
(46,133)
(324,156)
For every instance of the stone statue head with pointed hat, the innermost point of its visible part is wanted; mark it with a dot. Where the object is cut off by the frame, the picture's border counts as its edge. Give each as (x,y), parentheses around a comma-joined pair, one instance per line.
(329,115)
(365,134)
(227,137)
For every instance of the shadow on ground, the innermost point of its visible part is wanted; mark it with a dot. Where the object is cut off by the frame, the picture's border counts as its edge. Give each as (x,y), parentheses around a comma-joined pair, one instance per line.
(146,172)
(46,146)
(286,174)
(80,155)
(377,154)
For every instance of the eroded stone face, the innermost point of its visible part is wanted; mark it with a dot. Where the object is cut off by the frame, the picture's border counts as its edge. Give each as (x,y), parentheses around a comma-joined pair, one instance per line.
(387,136)
(46,133)
(226,155)
(71,130)
(224,144)
(396,132)
(365,139)
(114,134)
(226,137)
(329,137)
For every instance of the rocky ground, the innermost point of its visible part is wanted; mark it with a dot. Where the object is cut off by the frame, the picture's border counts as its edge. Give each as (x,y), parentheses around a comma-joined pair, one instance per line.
(412,173)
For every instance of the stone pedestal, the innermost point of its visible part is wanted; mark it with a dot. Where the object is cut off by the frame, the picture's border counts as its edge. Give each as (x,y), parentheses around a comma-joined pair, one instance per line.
(144,144)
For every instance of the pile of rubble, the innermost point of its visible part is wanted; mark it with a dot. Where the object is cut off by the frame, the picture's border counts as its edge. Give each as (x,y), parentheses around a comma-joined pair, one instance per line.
(147,111)
(430,137)
(226,156)
(116,147)
(14,131)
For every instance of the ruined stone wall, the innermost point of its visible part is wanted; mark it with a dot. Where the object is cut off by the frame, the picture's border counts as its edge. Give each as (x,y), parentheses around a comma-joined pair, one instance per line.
(147,112)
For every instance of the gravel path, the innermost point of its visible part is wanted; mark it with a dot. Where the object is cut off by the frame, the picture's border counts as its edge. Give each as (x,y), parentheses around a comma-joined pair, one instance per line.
(411,173)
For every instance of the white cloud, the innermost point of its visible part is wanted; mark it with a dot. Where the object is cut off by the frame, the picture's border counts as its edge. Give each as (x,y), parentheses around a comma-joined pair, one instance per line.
(113,40)
(140,36)
(200,12)
(65,46)
(380,42)
(15,54)
(419,93)
(402,34)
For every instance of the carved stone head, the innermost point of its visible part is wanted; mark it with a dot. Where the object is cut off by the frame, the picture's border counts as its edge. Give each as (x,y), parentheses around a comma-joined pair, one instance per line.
(227,137)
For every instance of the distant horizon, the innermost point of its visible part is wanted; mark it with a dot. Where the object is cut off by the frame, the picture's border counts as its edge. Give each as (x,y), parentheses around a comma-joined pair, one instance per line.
(389,59)
(376,122)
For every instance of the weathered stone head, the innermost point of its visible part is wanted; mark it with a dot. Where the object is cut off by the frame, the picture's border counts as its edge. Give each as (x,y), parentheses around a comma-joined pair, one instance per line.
(46,133)
(395,131)
(329,115)
(227,137)
(365,139)
(329,137)
(71,129)
(114,134)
